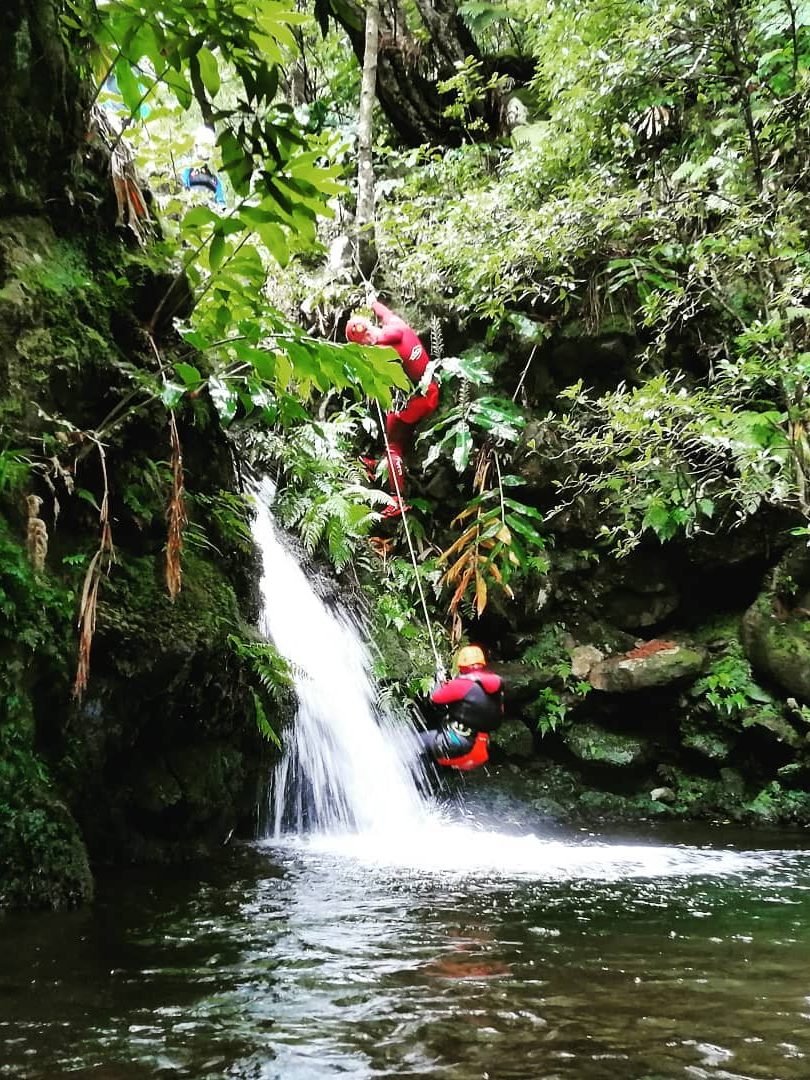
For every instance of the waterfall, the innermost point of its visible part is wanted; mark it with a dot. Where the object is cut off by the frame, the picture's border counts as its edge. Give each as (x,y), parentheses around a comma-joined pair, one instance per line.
(347,765)
(349,785)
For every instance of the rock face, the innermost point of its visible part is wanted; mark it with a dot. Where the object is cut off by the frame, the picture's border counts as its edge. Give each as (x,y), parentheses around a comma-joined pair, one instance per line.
(777,642)
(640,592)
(655,664)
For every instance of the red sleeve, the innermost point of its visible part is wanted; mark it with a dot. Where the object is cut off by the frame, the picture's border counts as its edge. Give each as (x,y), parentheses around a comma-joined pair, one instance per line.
(382,312)
(491,682)
(390,336)
(454,690)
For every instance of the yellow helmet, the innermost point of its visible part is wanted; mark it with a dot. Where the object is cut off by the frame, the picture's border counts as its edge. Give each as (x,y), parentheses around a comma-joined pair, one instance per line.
(470,656)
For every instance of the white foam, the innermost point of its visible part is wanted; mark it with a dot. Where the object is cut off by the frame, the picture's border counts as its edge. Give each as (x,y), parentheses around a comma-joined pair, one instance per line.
(449,848)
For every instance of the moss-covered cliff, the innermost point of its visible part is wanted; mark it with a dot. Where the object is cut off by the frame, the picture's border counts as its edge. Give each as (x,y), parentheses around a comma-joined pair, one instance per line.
(160,757)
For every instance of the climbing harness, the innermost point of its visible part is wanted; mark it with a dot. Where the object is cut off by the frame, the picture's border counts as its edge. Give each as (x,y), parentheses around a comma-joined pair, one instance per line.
(478,755)
(440,671)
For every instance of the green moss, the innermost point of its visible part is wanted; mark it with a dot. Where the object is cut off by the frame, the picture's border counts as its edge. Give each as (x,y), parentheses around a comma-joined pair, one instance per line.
(164,738)
(595,746)
(776,805)
(135,607)
(43,860)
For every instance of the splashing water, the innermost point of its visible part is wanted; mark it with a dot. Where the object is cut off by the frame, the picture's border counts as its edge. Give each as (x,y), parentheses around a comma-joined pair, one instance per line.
(349,788)
(347,766)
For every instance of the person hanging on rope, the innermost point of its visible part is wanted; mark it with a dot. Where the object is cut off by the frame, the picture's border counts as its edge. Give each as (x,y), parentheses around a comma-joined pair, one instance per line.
(200,178)
(474,704)
(400,424)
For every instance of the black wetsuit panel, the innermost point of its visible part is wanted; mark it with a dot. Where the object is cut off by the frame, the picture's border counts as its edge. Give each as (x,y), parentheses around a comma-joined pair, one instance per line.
(478,710)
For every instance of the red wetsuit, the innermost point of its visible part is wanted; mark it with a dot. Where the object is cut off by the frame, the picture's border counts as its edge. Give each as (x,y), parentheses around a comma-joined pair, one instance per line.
(399,426)
(474,701)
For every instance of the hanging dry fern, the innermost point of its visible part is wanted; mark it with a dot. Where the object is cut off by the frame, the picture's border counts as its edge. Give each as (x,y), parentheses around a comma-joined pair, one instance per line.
(488,551)
(99,567)
(133,212)
(175,514)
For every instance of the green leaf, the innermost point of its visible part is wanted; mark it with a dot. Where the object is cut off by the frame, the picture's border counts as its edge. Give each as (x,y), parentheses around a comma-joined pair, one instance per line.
(225,399)
(523,509)
(462,449)
(275,241)
(209,71)
(179,86)
(217,252)
(171,394)
(127,84)
(88,497)
(198,216)
(189,374)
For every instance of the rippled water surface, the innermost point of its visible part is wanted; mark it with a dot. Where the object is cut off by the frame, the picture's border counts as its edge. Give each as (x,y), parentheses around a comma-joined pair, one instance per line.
(316,960)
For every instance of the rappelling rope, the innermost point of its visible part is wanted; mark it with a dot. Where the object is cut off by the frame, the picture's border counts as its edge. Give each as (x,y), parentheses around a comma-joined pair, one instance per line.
(440,671)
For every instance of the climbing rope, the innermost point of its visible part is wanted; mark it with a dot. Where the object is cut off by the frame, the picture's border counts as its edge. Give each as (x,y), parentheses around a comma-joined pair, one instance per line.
(440,671)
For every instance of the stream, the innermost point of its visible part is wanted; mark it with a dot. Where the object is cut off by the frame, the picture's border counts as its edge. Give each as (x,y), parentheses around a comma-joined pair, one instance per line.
(300,962)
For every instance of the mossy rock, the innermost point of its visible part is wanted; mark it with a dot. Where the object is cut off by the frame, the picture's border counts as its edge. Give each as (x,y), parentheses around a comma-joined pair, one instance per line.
(523,681)
(777,644)
(43,859)
(513,738)
(704,738)
(777,805)
(770,719)
(631,672)
(595,746)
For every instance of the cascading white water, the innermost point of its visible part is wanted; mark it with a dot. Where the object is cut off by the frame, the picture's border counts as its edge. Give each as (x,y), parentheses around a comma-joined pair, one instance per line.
(347,766)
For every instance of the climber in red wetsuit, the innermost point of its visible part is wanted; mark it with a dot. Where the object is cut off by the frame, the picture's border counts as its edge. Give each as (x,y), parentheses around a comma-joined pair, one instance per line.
(399,426)
(474,702)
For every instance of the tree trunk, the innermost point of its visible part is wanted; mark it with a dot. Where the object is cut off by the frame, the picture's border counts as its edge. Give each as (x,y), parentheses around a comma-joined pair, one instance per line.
(409,69)
(364,218)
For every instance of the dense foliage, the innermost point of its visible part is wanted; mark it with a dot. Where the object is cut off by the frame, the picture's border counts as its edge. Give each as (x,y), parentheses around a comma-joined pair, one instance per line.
(659,189)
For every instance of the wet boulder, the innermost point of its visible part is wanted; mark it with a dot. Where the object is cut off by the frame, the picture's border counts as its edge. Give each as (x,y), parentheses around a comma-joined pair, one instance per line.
(593,745)
(653,664)
(584,659)
(777,643)
(705,739)
(523,681)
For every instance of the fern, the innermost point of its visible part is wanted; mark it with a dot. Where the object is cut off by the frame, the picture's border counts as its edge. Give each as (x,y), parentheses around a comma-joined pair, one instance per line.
(340,550)
(272,676)
(499,538)
(262,723)
(436,338)
(323,489)
(313,525)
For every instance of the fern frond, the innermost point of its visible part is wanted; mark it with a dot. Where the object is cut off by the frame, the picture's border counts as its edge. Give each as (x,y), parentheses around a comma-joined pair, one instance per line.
(340,550)
(436,338)
(313,524)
